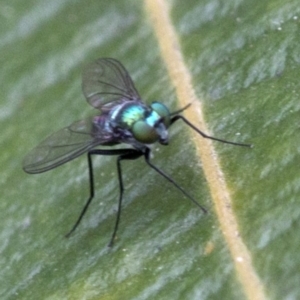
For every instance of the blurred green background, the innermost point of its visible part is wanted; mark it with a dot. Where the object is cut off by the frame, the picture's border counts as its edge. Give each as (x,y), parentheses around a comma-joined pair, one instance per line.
(244,57)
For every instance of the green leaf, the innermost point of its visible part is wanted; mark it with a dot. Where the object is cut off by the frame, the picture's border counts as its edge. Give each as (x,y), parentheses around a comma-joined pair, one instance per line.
(243,60)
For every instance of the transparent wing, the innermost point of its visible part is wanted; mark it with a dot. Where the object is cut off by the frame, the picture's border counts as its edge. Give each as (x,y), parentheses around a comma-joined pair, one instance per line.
(63,146)
(106,80)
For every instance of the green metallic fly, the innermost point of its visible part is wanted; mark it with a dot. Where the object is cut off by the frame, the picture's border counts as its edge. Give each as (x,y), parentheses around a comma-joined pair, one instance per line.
(123,119)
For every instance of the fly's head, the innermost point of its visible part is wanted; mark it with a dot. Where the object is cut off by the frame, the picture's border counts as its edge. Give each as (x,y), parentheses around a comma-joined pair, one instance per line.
(153,126)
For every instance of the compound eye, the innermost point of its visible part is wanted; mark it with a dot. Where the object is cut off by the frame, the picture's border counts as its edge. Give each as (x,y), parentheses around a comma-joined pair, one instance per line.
(144,133)
(162,111)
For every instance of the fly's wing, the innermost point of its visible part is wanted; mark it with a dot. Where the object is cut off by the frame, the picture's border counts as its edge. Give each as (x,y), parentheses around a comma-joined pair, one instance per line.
(63,146)
(105,81)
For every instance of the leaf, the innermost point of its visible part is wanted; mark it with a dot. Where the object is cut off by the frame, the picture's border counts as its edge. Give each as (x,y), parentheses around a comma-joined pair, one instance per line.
(243,63)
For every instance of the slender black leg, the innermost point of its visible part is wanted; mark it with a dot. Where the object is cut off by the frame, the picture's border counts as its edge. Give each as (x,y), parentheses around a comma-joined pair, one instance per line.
(147,158)
(91,176)
(179,117)
(133,154)
(119,152)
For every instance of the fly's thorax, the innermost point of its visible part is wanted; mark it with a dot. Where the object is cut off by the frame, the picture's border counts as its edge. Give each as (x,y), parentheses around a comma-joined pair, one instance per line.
(125,115)
(146,124)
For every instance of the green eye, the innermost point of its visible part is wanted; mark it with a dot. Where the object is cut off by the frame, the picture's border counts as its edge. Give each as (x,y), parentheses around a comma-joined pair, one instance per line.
(144,133)
(162,111)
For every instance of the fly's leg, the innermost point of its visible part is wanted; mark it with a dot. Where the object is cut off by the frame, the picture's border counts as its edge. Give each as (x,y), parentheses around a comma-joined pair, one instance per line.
(179,117)
(129,155)
(88,202)
(170,179)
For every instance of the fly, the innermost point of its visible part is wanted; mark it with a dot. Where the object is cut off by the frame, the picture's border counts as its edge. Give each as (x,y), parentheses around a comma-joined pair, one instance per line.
(123,119)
